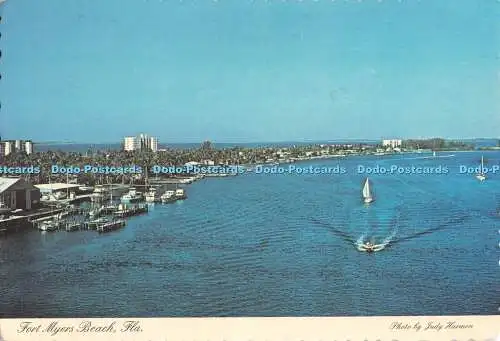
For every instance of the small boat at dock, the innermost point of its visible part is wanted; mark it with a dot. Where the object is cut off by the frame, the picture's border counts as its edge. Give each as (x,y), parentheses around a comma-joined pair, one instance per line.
(73,226)
(180,194)
(168,197)
(132,196)
(93,224)
(110,225)
(152,195)
(48,225)
(124,211)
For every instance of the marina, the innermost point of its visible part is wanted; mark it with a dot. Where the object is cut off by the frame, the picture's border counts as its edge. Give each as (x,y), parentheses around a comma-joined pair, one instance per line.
(64,214)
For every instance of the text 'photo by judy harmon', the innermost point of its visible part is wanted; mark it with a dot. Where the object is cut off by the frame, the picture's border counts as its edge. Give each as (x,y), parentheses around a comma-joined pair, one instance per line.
(250,170)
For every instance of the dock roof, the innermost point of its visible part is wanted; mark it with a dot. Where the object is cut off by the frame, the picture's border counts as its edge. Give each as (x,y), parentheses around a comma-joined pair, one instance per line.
(55,186)
(5,183)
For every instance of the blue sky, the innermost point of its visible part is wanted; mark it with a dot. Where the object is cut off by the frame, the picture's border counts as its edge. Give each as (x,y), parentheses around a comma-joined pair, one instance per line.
(243,70)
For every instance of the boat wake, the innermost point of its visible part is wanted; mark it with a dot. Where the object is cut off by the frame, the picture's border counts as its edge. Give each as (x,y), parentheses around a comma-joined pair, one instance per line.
(360,243)
(392,239)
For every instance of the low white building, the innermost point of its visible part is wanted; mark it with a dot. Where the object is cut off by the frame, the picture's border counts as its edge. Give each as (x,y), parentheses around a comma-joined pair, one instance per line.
(394,143)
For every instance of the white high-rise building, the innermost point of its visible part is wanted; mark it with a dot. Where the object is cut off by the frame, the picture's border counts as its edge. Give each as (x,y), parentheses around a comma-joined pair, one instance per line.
(141,142)
(9,147)
(28,147)
(153,144)
(129,143)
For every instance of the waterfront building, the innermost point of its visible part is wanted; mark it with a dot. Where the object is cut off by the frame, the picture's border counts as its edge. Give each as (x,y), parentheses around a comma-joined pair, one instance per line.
(141,142)
(2,150)
(11,146)
(17,193)
(394,143)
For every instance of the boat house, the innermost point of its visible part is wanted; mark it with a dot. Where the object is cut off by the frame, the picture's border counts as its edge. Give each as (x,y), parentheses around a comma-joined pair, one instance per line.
(17,193)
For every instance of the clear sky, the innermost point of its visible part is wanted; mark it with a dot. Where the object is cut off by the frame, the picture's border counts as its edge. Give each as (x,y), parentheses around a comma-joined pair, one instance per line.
(249,70)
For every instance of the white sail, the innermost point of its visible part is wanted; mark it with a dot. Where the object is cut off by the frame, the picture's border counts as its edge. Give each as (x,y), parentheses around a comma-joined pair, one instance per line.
(481,176)
(366,190)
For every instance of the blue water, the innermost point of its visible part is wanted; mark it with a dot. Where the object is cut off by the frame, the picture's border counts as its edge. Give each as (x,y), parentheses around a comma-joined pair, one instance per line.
(277,245)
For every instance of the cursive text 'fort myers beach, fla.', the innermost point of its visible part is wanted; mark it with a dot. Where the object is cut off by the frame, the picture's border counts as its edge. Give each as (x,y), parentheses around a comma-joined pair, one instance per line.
(57,327)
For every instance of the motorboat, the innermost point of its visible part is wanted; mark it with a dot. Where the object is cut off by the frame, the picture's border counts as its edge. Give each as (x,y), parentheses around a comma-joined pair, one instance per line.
(368,247)
(168,197)
(110,225)
(152,195)
(131,196)
(48,225)
(180,194)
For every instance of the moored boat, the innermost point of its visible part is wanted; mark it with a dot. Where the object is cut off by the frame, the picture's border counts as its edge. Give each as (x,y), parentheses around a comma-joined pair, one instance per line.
(48,225)
(152,195)
(180,194)
(124,211)
(168,197)
(110,225)
(73,226)
(132,196)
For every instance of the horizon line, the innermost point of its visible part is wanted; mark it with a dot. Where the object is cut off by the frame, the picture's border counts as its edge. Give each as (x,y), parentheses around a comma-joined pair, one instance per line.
(270,141)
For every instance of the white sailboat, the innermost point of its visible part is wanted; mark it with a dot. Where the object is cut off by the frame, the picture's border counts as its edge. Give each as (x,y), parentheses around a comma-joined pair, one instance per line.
(367,195)
(481,176)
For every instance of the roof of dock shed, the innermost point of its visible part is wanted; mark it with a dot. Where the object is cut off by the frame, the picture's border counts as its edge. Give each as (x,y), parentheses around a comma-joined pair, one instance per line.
(55,186)
(5,183)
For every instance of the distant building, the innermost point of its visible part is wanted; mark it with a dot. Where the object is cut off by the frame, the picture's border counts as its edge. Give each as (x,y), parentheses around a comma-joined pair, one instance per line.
(8,147)
(28,147)
(153,144)
(17,193)
(392,143)
(2,150)
(129,144)
(141,142)
(11,146)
